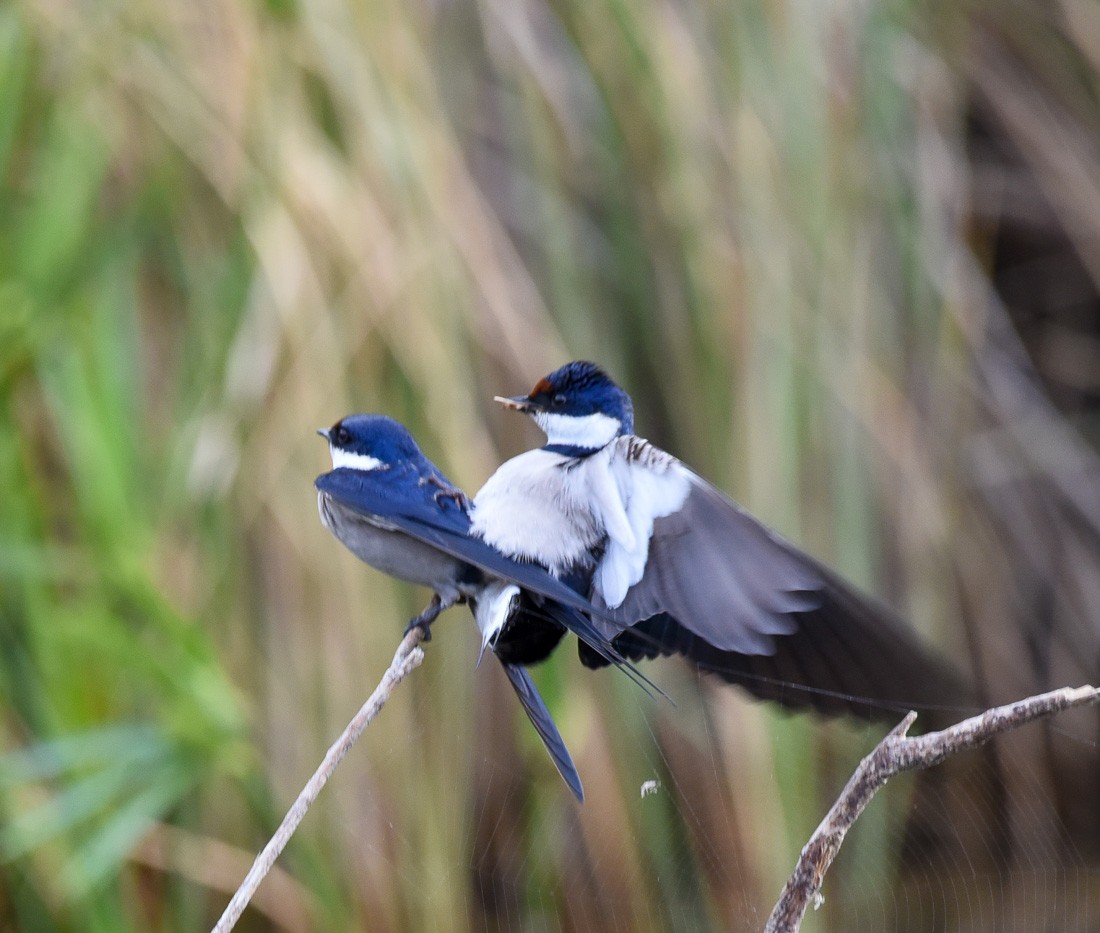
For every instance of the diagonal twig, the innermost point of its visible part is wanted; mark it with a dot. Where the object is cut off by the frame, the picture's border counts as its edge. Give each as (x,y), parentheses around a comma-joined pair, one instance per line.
(408,656)
(894,754)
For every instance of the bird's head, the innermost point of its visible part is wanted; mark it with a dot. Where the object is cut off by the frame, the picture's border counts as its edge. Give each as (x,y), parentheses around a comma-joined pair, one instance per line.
(369,442)
(578,406)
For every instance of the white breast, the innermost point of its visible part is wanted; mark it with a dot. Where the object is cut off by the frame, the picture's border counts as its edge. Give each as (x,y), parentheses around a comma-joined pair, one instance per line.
(534,508)
(554,510)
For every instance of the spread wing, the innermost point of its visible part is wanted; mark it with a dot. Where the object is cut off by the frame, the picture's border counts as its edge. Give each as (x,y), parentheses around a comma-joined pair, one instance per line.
(839,660)
(699,557)
(716,585)
(539,715)
(381,497)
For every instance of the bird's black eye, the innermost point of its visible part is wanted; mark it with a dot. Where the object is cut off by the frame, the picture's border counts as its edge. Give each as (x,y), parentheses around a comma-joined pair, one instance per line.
(342,436)
(558,400)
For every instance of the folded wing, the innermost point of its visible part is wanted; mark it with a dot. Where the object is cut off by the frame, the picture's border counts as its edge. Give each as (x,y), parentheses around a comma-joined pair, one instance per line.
(446,526)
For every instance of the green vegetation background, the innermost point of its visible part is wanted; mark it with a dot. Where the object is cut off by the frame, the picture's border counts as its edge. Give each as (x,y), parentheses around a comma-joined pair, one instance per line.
(782,225)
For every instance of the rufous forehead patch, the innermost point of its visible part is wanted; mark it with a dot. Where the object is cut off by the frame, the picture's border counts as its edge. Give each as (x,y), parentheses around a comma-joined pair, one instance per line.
(542,387)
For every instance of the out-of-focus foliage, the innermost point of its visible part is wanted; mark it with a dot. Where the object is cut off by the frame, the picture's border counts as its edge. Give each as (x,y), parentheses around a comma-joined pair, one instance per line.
(844,255)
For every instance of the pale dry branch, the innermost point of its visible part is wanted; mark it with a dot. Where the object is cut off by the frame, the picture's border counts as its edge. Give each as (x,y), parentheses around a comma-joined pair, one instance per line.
(408,656)
(894,754)
(213,864)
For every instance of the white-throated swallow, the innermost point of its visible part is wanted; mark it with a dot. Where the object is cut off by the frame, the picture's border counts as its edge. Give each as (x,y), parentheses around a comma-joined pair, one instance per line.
(673,566)
(396,511)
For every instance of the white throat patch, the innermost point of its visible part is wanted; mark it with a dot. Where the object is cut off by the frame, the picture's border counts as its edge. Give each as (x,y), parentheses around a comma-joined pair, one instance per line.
(345,458)
(590,432)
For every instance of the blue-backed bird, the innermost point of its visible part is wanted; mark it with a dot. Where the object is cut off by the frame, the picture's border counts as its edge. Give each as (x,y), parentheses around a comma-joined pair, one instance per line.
(393,508)
(673,566)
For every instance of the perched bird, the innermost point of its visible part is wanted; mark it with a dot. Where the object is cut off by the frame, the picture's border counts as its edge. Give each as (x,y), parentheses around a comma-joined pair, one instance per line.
(396,511)
(673,566)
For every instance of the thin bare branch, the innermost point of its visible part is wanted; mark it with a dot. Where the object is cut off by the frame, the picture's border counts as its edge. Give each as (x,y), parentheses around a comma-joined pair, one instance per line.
(894,754)
(408,656)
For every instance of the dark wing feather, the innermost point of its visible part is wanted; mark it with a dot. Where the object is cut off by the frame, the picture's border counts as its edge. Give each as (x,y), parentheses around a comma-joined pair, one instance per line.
(848,656)
(544,725)
(445,526)
(735,598)
(721,574)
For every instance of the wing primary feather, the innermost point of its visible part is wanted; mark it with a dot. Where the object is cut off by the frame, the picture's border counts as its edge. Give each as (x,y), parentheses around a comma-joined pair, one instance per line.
(821,685)
(831,664)
(868,636)
(543,722)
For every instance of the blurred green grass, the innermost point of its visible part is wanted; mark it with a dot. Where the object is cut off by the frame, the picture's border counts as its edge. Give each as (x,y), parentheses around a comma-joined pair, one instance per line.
(223,226)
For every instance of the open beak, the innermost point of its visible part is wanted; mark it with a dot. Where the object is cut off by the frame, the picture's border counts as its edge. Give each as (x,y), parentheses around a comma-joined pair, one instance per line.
(516,402)
(324,433)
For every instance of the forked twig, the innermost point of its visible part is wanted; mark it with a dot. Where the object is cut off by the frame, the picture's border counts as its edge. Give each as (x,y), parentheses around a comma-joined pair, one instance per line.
(408,656)
(894,754)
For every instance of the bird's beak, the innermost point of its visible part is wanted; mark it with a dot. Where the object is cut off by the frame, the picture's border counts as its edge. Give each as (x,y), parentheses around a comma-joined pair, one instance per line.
(324,433)
(516,402)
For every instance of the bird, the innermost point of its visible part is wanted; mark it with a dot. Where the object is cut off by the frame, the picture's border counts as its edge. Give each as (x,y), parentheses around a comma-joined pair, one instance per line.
(673,566)
(396,511)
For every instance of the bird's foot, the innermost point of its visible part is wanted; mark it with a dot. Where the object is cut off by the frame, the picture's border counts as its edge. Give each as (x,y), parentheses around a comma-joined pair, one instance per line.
(425,619)
(425,627)
(447,491)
